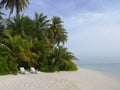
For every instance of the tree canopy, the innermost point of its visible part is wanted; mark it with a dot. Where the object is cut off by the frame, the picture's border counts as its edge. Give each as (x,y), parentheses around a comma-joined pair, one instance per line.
(37,42)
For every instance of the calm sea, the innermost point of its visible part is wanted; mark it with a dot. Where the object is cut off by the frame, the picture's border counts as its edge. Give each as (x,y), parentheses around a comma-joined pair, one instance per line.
(113,68)
(110,69)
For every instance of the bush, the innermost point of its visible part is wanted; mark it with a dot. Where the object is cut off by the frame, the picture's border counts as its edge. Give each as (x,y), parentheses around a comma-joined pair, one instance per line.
(7,65)
(47,66)
(13,67)
(4,68)
(44,65)
(68,66)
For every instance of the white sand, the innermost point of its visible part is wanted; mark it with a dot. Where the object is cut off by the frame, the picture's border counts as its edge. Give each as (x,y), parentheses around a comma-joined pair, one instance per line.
(82,79)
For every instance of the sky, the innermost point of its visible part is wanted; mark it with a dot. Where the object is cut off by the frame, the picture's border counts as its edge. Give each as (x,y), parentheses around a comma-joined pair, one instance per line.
(93,26)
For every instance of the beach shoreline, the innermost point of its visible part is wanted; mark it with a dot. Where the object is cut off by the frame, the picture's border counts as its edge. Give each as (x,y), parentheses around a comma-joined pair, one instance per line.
(83,79)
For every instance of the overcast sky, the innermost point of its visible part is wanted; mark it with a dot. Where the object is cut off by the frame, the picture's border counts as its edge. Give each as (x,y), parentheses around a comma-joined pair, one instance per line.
(93,26)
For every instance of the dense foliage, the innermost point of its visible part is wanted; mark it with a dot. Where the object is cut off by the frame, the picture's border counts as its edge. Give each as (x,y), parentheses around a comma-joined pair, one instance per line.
(7,64)
(37,42)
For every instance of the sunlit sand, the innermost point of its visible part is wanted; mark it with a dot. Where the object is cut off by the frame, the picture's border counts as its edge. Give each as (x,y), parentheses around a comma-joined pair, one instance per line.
(82,79)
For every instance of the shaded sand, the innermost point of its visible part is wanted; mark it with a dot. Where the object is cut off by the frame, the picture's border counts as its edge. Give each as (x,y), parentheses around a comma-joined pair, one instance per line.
(82,79)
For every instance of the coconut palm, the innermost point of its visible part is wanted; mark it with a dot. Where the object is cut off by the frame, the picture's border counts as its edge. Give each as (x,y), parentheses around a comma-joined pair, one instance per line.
(21,25)
(41,25)
(19,47)
(27,25)
(6,47)
(1,19)
(16,24)
(57,33)
(62,59)
(19,5)
(1,12)
(41,21)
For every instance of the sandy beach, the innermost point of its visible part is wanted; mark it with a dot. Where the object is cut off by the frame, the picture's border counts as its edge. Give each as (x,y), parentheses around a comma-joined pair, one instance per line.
(82,79)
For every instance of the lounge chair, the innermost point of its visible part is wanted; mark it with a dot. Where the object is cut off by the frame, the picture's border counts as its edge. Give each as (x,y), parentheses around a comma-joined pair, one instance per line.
(22,70)
(32,70)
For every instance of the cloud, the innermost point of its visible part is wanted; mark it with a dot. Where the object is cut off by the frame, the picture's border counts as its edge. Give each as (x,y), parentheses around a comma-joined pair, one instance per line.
(95,35)
(63,7)
(105,20)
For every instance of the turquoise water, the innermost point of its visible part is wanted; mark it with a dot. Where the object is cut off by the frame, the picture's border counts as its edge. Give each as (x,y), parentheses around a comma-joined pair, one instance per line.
(112,70)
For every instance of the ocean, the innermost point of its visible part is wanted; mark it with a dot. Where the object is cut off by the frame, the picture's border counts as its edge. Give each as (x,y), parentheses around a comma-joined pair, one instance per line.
(111,69)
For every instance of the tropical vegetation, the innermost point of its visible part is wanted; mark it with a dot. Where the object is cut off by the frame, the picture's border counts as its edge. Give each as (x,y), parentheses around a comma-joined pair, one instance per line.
(38,42)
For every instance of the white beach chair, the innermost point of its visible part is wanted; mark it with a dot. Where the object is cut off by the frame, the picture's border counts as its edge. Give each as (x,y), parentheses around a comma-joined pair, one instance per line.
(22,70)
(32,70)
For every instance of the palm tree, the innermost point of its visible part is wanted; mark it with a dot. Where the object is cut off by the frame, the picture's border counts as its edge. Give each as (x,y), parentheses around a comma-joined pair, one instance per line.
(41,26)
(62,59)
(19,5)
(6,47)
(19,47)
(27,25)
(16,24)
(57,33)
(1,12)
(21,25)
(1,18)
